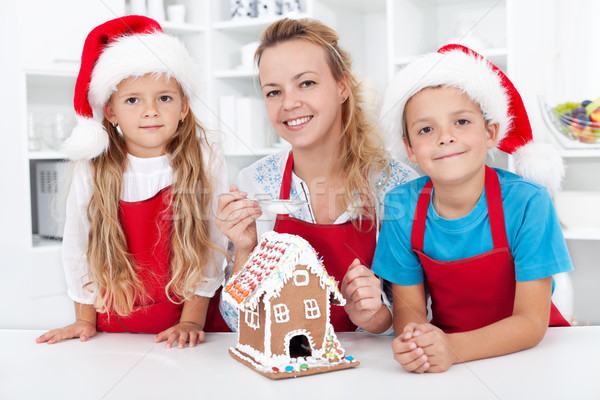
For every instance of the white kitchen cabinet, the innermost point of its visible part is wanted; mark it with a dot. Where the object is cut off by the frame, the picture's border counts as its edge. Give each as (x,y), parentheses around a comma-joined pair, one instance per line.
(417,27)
(548,59)
(381,35)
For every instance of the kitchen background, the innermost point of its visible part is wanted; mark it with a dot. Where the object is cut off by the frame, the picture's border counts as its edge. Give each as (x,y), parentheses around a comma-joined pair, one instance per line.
(546,48)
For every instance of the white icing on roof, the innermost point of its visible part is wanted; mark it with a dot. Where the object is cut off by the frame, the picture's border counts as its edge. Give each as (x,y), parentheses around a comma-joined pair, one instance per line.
(271,265)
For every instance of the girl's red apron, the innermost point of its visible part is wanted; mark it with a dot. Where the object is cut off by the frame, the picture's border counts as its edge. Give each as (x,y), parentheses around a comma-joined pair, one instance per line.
(147,225)
(338,244)
(477,291)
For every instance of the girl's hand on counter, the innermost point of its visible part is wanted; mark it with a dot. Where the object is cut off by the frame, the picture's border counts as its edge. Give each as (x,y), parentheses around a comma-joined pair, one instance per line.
(81,329)
(182,333)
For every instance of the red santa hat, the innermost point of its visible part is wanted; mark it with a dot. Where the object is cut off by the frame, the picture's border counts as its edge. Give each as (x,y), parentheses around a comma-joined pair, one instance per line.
(460,67)
(130,46)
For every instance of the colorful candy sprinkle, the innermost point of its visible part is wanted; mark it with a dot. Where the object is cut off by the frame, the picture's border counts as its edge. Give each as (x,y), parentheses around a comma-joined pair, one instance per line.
(289,368)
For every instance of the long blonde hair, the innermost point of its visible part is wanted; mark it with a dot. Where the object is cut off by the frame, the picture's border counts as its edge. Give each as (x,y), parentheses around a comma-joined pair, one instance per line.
(363,149)
(111,266)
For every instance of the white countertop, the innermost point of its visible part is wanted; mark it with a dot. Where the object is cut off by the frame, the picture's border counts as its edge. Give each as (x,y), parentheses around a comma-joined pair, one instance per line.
(564,365)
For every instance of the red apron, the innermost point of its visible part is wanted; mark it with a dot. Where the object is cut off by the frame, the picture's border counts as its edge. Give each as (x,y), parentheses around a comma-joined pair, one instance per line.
(338,244)
(214,320)
(471,293)
(147,225)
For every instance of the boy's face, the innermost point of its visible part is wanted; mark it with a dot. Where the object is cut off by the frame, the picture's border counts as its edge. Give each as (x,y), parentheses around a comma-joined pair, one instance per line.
(449,138)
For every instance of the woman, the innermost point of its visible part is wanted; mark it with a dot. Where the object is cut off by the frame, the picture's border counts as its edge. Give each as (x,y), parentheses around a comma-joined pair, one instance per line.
(338,165)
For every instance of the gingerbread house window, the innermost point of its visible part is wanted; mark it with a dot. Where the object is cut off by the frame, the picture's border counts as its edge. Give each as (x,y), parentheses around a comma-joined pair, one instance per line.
(251,319)
(282,313)
(301,277)
(311,309)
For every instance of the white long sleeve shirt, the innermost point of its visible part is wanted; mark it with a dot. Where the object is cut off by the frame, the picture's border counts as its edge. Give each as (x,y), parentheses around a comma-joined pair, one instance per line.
(143,178)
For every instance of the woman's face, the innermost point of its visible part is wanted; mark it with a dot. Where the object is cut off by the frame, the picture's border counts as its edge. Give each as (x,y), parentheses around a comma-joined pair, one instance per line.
(148,110)
(302,98)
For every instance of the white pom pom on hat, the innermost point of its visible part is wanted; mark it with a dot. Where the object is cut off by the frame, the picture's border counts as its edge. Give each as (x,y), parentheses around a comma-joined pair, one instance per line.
(460,67)
(130,46)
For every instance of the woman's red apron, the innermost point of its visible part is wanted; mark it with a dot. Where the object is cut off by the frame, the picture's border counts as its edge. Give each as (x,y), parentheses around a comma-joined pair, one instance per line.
(147,225)
(477,291)
(338,244)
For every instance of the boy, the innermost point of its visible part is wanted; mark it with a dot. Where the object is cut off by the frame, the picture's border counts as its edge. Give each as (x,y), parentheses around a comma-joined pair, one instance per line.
(484,242)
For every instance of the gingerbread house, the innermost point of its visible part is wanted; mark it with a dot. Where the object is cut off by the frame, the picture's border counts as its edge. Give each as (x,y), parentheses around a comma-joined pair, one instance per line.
(283,294)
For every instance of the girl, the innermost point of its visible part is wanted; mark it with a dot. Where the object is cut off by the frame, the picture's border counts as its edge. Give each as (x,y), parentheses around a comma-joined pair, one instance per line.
(140,251)
(483,241)
(338,165)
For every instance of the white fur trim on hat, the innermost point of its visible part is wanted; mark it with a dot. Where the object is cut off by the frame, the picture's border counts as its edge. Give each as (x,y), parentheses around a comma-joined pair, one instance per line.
(88,140)
(138,55)
(469,74)
(540,163)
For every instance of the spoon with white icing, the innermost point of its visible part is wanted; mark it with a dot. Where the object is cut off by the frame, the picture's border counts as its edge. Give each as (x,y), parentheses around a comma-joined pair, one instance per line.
(277,206)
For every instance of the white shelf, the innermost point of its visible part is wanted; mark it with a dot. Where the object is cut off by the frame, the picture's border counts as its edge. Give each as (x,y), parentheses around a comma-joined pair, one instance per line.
(236,73)
(39,243)
(495,52)
(401,61)
(183,29)
(590,234)
(67,70)
(250,26)
(46,155)
(573,149)
(369,6)
(583,153)
(491,53)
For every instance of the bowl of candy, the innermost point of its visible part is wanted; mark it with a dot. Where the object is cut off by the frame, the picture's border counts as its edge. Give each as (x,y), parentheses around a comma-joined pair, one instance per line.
(575,125)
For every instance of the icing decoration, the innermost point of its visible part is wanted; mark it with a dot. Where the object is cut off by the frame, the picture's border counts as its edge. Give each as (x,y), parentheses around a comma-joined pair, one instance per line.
(283,295)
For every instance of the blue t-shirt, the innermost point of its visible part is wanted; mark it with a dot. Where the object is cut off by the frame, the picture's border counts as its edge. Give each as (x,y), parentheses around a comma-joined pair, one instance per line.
(532,228)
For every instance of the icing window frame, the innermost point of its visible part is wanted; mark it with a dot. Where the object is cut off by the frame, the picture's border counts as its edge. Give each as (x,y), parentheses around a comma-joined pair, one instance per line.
(311,309)
(303,274)
(281,313)
(251,318)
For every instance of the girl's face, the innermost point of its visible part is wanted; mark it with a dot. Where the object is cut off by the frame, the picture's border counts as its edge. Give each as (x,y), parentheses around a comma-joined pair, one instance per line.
(148,110)
(449,138)
(302,98)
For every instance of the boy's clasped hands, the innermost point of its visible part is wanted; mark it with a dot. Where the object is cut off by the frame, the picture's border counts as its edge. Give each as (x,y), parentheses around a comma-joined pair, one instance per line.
(423,348)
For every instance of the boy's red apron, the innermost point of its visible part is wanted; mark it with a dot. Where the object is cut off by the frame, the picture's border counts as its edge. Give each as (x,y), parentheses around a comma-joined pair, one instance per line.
(477,291)
(338,244)
(147,225)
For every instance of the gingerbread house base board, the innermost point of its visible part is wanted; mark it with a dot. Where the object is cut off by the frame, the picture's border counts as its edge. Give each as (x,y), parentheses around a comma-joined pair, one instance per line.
(297,369)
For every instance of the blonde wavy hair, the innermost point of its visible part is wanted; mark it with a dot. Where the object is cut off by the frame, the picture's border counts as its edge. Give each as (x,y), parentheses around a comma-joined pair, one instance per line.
(363,149)
(111,266)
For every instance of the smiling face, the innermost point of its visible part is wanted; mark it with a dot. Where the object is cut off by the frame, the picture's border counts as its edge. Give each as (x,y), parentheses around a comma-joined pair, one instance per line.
(302,98)
(148,110)
(449,138)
